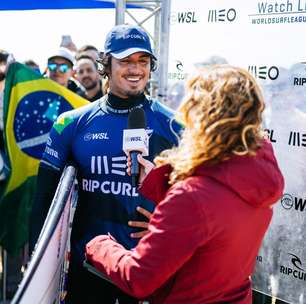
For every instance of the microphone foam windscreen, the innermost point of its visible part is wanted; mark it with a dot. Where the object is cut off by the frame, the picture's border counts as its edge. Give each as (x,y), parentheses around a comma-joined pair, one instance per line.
(137,119)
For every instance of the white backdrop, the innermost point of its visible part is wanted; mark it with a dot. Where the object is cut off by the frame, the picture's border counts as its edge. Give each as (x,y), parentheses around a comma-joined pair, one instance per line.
(268,39)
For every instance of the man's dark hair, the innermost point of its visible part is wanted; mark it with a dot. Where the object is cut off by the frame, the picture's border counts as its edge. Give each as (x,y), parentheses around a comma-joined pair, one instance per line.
(3,56)
(81,51)
(87,47)
(105,60)
(3,59)
(31,63)
(84,56)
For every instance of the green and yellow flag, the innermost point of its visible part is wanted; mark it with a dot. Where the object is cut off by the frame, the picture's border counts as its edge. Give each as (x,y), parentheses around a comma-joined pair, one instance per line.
(31,105)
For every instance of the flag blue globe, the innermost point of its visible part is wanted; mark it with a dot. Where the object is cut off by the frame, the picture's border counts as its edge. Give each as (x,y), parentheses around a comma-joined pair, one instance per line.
(34,118)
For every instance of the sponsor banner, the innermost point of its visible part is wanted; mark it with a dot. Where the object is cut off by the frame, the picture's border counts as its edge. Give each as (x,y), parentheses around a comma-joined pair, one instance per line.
(265,38)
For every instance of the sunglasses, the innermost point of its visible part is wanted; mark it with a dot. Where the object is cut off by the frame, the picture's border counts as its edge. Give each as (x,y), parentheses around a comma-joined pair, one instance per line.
(61,67)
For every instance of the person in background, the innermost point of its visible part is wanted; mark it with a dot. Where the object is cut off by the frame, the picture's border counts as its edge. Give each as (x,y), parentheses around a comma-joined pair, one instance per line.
(87,74)
(91,138)
(13,263)
(214,196)
(3,68)
(33,65)
(60,69)
(67,43)
(88,50)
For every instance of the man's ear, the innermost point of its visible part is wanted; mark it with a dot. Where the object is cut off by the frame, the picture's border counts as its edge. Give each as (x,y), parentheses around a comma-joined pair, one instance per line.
(105,86)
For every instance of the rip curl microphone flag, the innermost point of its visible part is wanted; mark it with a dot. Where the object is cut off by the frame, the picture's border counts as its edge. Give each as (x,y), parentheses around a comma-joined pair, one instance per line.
(31,104)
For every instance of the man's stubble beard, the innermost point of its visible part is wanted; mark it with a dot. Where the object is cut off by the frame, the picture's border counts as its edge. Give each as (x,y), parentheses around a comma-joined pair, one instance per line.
(91,86)
(134,94)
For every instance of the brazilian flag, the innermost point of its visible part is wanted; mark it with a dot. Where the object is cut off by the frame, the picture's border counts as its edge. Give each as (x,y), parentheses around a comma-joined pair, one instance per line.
(31,104)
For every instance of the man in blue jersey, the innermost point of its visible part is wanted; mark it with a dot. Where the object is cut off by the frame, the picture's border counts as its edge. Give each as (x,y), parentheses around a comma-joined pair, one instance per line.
(91,139)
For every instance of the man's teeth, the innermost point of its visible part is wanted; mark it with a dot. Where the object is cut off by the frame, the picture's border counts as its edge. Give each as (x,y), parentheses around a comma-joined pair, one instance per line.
(133,78)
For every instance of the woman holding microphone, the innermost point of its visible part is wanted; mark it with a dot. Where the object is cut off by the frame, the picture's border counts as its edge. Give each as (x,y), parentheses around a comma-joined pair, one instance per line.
(214,196)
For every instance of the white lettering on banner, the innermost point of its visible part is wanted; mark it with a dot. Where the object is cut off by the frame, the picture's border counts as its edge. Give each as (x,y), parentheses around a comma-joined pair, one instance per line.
(107,187)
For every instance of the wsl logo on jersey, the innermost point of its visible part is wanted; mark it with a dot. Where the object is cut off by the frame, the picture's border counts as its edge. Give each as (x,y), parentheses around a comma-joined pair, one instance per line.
(95,136)
(34,117)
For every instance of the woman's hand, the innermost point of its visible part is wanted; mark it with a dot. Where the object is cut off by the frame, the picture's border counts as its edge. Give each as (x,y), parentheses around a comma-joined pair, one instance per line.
(145,168)
(139,224)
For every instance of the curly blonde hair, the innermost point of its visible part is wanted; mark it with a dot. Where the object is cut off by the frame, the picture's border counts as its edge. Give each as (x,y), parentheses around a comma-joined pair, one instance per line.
(222,113)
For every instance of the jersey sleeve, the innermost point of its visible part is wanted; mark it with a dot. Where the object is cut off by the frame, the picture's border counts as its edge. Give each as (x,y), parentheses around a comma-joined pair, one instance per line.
(58,147)
(170,127)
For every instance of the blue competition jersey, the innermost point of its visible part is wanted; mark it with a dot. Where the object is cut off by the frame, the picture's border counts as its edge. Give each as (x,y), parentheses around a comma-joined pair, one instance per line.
(91,138)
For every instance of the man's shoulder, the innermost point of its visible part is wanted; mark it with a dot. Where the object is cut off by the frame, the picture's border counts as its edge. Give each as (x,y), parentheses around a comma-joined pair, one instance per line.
(81,111)
(159,108)
(167,126)
(78,116)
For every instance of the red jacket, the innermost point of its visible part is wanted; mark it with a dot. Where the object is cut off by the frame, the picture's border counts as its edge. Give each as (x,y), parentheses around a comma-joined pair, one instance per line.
(203,237)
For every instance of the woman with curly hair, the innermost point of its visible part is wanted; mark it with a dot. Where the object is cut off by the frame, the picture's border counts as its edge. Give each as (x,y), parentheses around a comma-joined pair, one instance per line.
(214,196)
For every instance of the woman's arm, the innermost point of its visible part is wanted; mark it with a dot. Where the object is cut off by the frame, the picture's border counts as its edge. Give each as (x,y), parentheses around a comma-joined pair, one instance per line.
(177,228)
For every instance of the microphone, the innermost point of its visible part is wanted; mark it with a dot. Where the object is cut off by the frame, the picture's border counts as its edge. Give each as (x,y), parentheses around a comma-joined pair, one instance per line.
(135,141)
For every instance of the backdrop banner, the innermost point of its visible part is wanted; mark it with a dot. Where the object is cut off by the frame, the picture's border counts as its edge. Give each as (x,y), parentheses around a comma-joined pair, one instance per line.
(265,38)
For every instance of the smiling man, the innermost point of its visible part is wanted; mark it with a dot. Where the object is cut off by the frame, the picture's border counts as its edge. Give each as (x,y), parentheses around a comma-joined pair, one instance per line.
(88,75)
(91,138)
(60,70)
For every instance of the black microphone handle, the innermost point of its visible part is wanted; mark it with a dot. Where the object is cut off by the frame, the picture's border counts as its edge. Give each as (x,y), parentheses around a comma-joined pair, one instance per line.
(135,169)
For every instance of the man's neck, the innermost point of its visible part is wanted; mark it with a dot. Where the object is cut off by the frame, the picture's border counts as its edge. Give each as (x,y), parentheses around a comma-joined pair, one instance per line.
(120,103)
